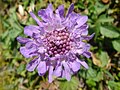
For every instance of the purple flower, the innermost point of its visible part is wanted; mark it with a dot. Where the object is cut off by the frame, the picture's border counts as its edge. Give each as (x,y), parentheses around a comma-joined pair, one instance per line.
(56,42)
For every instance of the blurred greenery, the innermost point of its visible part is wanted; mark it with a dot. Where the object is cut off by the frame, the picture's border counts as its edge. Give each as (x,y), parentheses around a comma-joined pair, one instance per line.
(104,65)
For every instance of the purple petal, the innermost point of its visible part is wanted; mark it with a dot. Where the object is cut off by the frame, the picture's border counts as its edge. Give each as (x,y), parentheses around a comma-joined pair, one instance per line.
(46,14)
(61,11)
(43,15)
(73,17)
(32,64)
(28,52)
(75,66)
(87,54)
(82,20)
(39,33)
(82,48)
(78,51)
(48,27)
(70,22)
(49,10)
(87,47)
(42,68)
(83,63)
(30,45)
(29,30)
(57,71)
(67,71)
(23,40)
(71,56)
(41,50)
(50,74)
(63,73)
(80,44)
(39,41)
(42,31)
(88,37)
(71,8)
(35,18)
(82,31)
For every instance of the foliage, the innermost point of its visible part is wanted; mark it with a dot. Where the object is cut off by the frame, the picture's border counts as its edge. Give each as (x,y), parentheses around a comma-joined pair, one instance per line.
(104,66)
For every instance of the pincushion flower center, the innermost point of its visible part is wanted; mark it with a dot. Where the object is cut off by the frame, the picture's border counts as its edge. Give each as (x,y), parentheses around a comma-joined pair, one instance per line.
(58,42)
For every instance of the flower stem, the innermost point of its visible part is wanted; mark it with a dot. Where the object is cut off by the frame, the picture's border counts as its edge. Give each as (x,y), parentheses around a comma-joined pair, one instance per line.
(43,78)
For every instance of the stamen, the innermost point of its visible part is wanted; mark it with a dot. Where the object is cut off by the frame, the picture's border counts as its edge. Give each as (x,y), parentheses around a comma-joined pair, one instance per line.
(59,44)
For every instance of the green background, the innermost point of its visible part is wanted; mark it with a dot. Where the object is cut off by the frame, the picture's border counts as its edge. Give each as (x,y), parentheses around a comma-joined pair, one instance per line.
(104,65)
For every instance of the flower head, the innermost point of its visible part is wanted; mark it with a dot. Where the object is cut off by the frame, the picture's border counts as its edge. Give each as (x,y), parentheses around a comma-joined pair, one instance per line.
(56,42)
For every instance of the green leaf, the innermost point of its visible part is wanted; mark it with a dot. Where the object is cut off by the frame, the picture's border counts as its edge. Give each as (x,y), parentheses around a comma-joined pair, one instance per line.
(104,58)
(5,34)
(104,19)
(99,76)
(109,74)
(97,30)
(94,75)
(21,68)
(82,73)
(114,85)
(116,45)
(69,85)
(119,74)
(80,5)
(109,31)
(14,33)
(91,73)
(100,7)
(91,83)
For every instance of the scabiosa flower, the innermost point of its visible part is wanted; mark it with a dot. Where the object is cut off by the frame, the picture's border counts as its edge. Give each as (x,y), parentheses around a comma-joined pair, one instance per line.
(56,42)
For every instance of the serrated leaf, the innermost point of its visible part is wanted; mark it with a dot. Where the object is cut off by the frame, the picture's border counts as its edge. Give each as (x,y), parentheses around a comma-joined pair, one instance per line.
(109,32)
(116,45)
(69,85)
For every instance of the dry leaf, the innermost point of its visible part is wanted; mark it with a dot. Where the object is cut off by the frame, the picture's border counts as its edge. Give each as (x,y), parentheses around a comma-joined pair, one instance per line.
(96,61)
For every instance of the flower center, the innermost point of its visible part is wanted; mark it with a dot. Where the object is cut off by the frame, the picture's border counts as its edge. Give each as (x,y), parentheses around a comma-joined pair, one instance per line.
(58,42)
